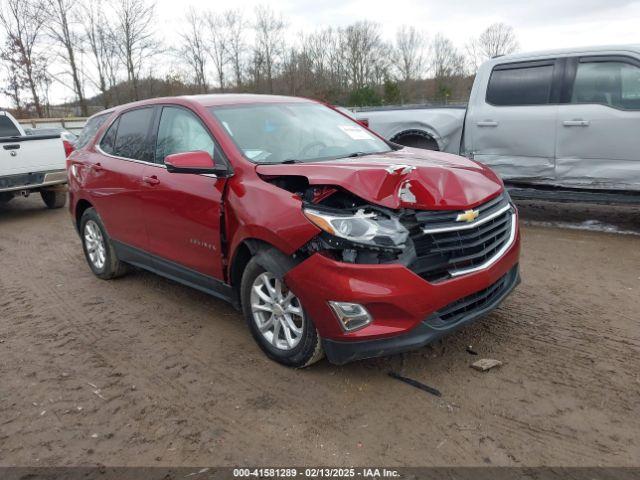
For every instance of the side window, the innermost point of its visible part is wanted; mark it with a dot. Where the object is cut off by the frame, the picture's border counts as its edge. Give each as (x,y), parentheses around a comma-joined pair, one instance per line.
(614,83)
(90,129)
(131,136)
(181,131)
(7,128)
(526,85)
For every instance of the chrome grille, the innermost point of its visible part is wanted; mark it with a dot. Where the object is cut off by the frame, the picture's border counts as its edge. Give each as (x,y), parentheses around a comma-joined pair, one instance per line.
(446,248)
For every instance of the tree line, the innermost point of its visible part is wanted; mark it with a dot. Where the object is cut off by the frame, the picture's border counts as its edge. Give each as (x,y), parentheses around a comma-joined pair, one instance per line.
(107,52)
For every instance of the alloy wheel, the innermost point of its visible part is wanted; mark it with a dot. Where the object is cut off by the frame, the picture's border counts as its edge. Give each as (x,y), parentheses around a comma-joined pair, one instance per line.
(94,242)
(276,312)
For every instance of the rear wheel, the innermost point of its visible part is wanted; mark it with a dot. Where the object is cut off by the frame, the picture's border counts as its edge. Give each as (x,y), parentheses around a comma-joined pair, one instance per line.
(277,319)
(54,198)
(98,249)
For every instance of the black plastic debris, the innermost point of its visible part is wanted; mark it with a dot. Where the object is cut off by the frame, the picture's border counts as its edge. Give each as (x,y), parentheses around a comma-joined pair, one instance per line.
(415,383)
(471,351)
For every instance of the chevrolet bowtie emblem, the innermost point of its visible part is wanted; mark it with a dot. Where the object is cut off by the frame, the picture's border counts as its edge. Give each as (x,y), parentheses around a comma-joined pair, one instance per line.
(467,216)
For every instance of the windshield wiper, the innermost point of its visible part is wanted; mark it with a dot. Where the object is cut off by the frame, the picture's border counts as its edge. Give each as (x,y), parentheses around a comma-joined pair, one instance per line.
(360,154)
(354,155)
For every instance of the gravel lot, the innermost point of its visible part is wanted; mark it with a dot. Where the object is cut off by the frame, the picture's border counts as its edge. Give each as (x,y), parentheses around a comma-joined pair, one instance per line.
(143,371)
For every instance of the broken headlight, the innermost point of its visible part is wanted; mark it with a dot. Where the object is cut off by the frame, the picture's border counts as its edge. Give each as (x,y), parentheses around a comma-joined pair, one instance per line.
(366,227)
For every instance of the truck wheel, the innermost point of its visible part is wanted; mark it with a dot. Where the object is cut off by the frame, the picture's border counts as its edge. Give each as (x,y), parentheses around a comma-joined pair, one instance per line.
(98,249)
(54,198)
(277,320)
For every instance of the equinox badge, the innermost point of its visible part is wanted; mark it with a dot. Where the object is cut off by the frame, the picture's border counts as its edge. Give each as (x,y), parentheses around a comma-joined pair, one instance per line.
(467,216)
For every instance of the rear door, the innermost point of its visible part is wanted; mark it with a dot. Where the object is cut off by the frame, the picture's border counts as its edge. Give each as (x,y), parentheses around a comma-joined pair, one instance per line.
(114,177)
(183,211)
(513,129)
(598,141)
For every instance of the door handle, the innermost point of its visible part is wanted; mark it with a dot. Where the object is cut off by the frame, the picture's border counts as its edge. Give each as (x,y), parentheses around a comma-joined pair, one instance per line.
(576,123)
(11,147)
(152,180)
(487,123)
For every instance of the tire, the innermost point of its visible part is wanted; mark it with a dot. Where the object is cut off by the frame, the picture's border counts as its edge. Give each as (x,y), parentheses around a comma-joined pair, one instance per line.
(54,198)
(307,348)
(98,249)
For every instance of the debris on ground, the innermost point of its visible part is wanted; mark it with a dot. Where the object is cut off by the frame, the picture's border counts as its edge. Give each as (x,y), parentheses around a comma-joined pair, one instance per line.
(485,364)
(471,351)
(415,383)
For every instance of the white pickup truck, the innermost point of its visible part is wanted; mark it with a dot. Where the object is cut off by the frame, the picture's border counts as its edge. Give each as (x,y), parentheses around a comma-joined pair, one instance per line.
(564,118)
(31,163)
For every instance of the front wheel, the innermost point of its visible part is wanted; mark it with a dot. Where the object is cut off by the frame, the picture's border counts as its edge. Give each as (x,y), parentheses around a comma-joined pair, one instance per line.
(277,320)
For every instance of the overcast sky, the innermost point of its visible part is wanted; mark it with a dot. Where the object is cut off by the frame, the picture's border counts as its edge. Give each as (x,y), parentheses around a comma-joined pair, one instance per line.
(539,24)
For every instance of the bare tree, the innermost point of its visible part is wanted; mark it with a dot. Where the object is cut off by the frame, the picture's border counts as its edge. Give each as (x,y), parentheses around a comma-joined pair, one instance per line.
(269,29)
(410,47)
(101,44)
(194,49)
(23,21)
(366,55)
(60,29)
(218,46)
(135,37)
(13,88)
(236,26)
(499,39)
(446,61)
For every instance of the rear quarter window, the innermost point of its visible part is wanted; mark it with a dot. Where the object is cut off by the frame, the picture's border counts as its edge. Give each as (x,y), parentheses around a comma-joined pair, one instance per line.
(527,85)
(90,129)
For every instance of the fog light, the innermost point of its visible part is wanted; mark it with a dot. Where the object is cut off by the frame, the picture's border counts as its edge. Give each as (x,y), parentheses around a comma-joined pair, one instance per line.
(352,316)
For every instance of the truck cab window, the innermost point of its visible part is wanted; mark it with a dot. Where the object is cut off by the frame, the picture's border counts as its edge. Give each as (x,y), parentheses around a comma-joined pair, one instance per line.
(180,131)
(530,85)
(615,83)
(7,128)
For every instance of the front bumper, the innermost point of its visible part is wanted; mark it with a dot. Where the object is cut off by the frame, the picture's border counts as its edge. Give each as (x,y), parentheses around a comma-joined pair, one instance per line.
(405,307)
(430,329)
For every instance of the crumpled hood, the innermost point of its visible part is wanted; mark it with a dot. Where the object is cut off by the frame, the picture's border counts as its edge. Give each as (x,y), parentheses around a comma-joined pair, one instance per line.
(407,178)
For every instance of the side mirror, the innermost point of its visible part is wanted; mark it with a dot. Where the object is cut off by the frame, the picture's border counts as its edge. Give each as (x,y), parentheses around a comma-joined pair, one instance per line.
(193,162)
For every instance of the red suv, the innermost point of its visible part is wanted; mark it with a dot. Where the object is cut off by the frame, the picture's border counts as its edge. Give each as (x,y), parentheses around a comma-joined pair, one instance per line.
(327,237)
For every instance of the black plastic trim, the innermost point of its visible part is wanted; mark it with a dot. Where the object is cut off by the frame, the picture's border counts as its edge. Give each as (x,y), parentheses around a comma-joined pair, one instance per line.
(176,272)
(27,138)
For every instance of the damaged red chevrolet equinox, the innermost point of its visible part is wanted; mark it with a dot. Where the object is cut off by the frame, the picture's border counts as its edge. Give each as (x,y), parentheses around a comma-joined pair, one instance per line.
(330,239)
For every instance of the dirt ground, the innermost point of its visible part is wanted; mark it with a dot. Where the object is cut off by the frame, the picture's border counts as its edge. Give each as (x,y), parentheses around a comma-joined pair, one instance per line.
(143,371)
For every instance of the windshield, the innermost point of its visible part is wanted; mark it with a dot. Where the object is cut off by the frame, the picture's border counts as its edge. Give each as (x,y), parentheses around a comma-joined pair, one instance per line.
(275,133)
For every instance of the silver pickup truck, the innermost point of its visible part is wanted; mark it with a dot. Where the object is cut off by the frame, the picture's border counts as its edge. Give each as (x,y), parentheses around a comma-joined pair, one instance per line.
(566,118)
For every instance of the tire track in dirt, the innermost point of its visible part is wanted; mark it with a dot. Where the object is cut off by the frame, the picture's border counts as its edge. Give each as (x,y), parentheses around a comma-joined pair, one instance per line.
(204,393)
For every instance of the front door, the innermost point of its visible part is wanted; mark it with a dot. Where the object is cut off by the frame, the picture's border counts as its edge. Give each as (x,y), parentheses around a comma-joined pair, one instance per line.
(183,211)
(512,129)
(598,141)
